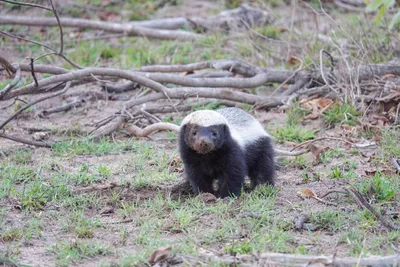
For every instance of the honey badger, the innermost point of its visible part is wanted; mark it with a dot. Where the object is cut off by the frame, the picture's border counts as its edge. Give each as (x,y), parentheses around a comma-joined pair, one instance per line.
(227,144)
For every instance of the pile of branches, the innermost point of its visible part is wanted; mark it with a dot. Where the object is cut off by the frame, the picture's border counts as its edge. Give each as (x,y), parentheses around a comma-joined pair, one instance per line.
(228,81)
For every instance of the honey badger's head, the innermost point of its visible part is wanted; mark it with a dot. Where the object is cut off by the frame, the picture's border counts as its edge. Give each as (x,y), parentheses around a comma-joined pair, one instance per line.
(204,131)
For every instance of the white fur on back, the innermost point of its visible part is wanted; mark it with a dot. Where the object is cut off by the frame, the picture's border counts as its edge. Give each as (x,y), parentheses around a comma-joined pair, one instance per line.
(247,133)
(244,128)
(204,118)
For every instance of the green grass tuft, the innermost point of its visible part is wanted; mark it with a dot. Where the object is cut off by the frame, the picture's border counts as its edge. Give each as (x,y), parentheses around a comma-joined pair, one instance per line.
(343,114)
(292,133)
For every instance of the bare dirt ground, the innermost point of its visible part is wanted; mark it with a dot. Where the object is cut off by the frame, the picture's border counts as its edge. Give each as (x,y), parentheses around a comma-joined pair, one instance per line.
(47,220)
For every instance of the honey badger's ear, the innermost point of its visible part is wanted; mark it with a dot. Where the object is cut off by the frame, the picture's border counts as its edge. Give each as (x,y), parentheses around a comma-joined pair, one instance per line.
(225,128)
(183,128)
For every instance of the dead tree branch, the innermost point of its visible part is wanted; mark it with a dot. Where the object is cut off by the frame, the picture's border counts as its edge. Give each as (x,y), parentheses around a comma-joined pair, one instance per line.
(160,126)
(25,141)
(363,203)
(127,28)
(280,259)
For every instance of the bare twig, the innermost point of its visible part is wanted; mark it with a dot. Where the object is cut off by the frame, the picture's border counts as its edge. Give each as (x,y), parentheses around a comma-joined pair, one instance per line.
(26,4)
(91,188)
(61,51)
(33,73)
(45,46)
(319,139)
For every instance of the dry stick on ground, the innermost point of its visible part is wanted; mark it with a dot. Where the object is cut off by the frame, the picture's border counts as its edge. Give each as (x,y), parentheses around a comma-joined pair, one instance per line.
(91,188)
(363,203)
(126,28)
(160,126)
(319,139)
(280,259)
(26,141)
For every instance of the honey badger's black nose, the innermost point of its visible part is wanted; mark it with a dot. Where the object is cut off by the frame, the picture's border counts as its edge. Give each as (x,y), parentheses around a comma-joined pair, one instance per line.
(205,143)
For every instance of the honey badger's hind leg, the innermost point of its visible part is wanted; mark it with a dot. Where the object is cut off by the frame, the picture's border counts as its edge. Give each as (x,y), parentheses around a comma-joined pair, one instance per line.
(261,163)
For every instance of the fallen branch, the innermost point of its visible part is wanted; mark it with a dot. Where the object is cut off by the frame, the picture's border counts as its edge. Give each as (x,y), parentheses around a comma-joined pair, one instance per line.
(280,259)
(74,104)
(363,203)
(101,187)
(26,141)
(127,28)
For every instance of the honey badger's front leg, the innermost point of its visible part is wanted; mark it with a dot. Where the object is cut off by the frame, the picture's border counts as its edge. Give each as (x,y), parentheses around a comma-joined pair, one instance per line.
(231,180)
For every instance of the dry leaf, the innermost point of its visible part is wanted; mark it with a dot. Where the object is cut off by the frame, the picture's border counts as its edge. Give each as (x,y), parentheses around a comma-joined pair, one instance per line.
(293,60)
(305,192)
(160,254)
(312,116)
(324,102)
(386,76)
(372,172)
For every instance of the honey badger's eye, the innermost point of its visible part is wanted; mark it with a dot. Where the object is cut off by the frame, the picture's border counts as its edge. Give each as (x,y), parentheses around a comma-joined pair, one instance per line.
(214,134)
(194,132)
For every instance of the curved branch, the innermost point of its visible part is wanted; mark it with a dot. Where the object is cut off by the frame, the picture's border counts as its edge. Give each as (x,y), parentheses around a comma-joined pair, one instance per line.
(76,74)
(159,126)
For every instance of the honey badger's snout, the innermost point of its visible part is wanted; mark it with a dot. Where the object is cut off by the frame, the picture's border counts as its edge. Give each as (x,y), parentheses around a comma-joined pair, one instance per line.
(204,143)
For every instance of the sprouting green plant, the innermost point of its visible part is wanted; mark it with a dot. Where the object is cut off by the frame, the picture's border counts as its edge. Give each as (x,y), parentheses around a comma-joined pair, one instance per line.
(292,133)
(344,114)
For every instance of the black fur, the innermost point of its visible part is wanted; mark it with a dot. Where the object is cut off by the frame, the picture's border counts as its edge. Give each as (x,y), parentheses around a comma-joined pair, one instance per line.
(226,162)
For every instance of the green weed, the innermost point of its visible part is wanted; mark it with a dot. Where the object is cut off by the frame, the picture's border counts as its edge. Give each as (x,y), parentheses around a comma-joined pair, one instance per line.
(11,234)
(87,146)
(343,114)
(328,220)
(390,143)
(71,252)
(291,133)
